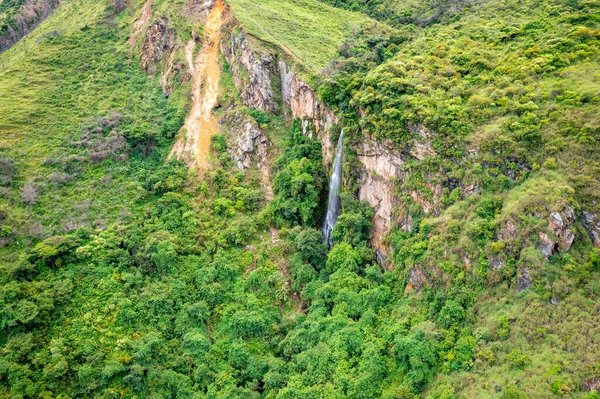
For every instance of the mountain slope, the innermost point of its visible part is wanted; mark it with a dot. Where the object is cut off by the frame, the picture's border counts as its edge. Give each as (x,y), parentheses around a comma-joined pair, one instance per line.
(465,260)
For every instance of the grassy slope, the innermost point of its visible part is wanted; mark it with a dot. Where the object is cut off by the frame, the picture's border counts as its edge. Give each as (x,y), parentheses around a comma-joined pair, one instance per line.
(311,31)
(72,70)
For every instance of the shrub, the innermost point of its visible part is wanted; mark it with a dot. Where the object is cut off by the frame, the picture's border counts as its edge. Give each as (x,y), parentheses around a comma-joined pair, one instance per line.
(224,207)
(451,314)
(311,247)
(7,170)
(517,358)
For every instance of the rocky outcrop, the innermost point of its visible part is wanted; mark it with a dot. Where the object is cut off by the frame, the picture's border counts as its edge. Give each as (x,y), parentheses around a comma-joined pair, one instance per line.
(561,237)
(417,279)
(496,263)
(253,71)
(591,222)
(259,72)
(508,231)
(302,102)
(301,99)
(382,164)
(431,206)
(247,145)
(29,15)
(422,147)
(383,168)
(157,43)
(524,280)
(377,192)
(592,384)
(381,158)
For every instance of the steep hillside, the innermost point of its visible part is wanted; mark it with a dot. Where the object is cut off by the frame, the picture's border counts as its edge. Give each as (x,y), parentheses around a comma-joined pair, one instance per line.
(163,179)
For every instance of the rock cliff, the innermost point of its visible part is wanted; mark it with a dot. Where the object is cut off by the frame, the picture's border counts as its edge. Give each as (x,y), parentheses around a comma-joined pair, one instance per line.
(253,69)
(383,172)
(382,167)
(267,82)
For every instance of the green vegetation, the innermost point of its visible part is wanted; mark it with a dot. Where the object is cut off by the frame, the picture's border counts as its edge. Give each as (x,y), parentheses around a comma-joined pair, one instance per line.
(8,11)
(124,275)
(513,102)
(310,33)
(408,12)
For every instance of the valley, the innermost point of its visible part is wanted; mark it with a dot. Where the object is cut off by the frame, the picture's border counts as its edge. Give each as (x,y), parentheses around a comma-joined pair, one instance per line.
(299,199)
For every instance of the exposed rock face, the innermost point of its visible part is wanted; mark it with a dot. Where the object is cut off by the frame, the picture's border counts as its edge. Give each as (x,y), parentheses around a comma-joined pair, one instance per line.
(524,281)
(377,192)
(508,231)
(383,164)
(382,158)
(496,263)
(591,222)
(559,224)
(159,42)
(27,18)
(562,237)
(470,189)
(247,146)
(302,101)
(417,279)
(255,69)
(253,72)
(547,244)
(432,206)
(140,23)
(422,147)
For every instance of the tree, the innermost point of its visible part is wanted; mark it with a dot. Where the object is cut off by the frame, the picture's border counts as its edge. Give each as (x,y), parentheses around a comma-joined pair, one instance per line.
(343,256)
(311,247)
(452,314)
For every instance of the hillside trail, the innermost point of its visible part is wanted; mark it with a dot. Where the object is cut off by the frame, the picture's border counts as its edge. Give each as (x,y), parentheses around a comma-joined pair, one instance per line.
(201,122)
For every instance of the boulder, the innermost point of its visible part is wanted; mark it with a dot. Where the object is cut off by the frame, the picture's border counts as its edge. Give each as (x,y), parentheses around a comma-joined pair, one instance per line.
(561,237)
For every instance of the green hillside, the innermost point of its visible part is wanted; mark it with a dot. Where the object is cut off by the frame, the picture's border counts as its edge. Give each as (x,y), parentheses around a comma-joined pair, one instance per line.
(123,274)
(309,32)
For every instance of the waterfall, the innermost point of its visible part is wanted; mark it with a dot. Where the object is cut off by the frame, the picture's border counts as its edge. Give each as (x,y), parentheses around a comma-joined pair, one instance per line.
(333,201)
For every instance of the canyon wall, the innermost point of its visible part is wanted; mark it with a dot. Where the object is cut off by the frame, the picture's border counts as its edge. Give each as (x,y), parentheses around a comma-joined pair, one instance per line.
(268,82)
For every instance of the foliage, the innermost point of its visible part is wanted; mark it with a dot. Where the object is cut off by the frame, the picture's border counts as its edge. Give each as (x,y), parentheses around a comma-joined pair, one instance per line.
(122,274)
(299,183)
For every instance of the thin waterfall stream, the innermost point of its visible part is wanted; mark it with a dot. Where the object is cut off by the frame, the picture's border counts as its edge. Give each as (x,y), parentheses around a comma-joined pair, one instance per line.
(333,200)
